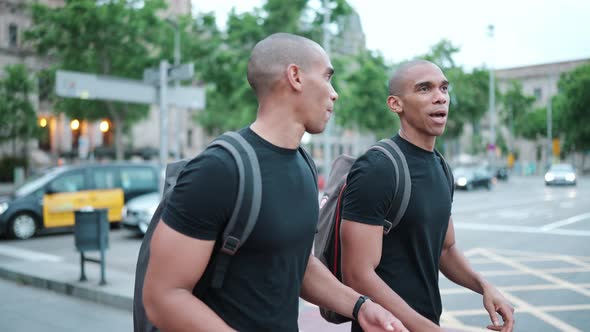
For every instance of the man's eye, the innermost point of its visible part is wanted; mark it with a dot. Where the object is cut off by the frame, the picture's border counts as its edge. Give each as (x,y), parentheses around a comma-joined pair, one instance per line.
(445,88)
(424,88)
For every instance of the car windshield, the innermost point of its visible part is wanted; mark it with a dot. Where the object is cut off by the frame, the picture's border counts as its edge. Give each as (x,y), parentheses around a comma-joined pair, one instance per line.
(35,182)
(462,171)
(561,168)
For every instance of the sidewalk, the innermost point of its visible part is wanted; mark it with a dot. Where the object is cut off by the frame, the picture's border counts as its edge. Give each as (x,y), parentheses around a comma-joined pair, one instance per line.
(63,277)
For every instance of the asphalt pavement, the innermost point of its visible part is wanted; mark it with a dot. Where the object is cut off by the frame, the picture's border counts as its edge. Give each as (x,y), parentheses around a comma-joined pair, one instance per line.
(529,240)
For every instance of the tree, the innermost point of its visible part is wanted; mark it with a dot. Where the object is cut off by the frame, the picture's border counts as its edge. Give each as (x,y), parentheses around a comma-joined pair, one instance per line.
(363,93)
(571,107)
(116,37)
(18,120)
(231,103)
(516,105)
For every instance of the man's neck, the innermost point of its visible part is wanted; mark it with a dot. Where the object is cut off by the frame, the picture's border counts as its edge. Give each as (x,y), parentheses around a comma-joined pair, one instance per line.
(278,128)
(421,141)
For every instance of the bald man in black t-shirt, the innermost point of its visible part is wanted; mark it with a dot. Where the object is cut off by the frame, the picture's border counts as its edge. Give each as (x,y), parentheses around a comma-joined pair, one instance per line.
(291,77)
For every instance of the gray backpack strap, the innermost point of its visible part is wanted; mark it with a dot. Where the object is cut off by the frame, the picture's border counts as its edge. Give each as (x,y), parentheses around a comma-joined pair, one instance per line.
(403,183)
(448,173)
(248,202)
(310,163)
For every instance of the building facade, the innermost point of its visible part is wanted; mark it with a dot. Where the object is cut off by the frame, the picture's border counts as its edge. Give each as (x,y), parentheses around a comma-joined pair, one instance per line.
(539,81)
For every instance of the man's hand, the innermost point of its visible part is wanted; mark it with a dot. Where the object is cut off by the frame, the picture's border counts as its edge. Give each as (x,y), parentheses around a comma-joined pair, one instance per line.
(372,317)
(494,303)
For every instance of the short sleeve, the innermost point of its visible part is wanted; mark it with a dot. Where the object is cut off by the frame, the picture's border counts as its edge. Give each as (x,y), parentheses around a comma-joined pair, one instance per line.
(203,198)
(369,190)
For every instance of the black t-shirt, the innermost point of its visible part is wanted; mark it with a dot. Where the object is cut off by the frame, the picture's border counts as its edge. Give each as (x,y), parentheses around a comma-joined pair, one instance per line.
(263,281)
(411,251)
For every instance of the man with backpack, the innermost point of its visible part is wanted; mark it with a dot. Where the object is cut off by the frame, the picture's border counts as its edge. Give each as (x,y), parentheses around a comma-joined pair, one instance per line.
(260,287)
(398,268)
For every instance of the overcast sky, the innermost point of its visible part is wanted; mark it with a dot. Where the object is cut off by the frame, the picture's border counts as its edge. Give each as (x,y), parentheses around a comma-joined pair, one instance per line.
(526,32)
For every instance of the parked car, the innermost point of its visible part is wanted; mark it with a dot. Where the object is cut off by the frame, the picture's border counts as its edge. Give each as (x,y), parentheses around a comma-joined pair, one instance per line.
(138,212)
(560,174)
(49,199)
(469,178)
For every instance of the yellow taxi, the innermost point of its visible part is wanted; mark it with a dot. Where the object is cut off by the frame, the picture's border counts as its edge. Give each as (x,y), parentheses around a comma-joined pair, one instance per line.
(48,200)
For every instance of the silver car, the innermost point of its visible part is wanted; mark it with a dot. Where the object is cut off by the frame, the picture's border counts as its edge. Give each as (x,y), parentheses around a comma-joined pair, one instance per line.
(560,174)
(138,212)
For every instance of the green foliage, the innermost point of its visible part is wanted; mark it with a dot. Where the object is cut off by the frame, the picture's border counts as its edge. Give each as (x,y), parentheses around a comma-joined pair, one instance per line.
(118,38)
(363,93)
(572,109)
(516,106)
(18,119)
(231,103)
(532,125)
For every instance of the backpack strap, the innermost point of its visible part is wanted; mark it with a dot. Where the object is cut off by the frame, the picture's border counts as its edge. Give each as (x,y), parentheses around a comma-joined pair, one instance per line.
(448,173)
(403,185)
(248,201)
(310,163)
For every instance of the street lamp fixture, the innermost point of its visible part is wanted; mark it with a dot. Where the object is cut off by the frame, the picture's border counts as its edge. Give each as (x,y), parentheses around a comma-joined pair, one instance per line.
(104,126)
(75,124)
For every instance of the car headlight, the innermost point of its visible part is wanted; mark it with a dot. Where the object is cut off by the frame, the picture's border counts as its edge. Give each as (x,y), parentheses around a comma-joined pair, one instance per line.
(461,181)
(549,177)
(570,177)
(3,207)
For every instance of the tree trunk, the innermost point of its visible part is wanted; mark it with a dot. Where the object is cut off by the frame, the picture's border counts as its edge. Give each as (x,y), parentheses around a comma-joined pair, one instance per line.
(118,124)
(119,148)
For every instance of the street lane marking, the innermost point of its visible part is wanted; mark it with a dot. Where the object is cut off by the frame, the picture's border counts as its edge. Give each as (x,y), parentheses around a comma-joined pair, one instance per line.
(535,272)
(527,307)
(462,290)
(530,255)
(565,222)
(519,229)
(28,255)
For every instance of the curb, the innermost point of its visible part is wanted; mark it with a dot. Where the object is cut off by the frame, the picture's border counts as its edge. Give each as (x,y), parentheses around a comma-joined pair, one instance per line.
(71,289)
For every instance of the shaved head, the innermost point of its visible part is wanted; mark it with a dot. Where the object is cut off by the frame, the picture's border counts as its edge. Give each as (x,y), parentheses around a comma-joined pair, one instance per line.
(272,55)
(399,77)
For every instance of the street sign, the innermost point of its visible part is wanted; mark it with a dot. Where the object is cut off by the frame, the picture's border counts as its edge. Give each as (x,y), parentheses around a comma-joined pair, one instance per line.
(184,71)
(181,72)
(183,96)
(89,86)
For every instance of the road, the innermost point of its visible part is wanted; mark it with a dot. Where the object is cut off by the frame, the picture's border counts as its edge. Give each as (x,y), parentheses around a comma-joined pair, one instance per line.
(530,240)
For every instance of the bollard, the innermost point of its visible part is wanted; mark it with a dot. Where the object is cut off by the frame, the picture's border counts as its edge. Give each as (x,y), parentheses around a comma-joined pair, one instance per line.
(91,233)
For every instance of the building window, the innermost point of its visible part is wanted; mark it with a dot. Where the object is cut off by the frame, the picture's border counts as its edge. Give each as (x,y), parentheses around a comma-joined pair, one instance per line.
(12,35)
(538,93)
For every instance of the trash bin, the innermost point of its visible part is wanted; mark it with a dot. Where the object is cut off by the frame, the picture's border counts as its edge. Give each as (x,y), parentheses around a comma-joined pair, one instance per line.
(91,233)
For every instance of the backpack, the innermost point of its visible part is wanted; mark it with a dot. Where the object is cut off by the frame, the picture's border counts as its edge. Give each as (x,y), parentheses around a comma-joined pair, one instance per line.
(235,233)
(327,240)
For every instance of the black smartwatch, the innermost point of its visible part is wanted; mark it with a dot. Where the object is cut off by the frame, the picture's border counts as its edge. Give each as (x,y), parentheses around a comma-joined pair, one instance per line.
(357,306)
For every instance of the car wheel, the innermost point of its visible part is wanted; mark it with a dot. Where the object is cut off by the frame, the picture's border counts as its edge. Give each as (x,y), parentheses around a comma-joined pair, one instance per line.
(23,226)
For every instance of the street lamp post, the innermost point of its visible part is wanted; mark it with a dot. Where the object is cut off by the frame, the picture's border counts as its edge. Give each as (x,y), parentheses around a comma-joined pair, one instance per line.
(177,121)
(492,101)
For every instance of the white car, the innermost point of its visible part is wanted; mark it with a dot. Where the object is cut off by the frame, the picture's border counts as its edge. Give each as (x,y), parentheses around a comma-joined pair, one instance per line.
(138,212)
(560,174)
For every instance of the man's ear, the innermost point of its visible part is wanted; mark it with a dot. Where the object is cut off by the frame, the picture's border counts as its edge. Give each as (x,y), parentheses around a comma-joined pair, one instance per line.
(294,77)
(395,104)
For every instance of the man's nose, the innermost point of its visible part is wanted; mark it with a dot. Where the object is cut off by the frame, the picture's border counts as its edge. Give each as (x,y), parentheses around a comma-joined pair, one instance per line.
(442,97)
(334,95)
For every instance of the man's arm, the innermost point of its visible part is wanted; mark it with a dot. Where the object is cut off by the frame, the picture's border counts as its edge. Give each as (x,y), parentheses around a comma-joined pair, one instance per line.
(320,287)
(361,253)
(176,264)
(456,268)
